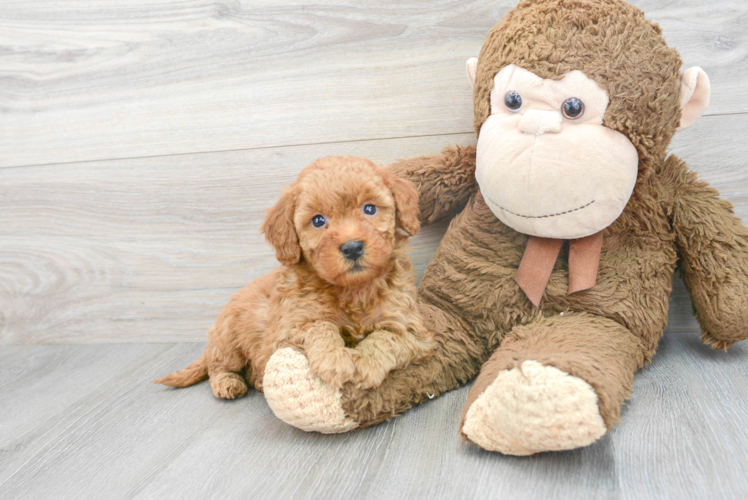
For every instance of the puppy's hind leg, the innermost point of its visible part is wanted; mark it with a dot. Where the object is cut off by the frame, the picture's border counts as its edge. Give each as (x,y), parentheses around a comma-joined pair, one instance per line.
(228,385)
(220,365)
(225,367)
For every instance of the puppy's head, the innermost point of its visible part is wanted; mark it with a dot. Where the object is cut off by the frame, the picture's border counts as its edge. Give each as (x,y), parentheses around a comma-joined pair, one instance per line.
(343,216)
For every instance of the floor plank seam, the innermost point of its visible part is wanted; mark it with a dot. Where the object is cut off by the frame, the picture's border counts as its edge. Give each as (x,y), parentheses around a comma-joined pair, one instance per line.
(280,146)
(236,150)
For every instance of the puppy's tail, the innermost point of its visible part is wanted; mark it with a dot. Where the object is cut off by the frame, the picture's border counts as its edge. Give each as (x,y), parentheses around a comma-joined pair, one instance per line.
(193,374)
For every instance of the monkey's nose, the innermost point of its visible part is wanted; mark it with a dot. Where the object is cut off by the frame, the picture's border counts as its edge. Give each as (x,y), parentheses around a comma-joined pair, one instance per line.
(352,250)
(537,122)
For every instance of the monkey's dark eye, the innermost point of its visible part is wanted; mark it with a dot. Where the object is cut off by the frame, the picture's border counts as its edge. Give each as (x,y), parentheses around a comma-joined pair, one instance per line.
(572,108)
(513,100)
(370,209)
(318,221)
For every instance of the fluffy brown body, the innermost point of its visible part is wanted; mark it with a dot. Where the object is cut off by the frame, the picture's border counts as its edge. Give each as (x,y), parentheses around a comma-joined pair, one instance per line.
(482,321)
(355,319)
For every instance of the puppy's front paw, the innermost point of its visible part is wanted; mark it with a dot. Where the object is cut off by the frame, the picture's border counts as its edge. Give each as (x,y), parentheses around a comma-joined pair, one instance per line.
(336,366)
(369,373)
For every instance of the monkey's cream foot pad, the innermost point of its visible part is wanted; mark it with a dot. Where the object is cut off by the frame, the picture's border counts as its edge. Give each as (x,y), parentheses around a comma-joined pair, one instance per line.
(300,398)
(534,408)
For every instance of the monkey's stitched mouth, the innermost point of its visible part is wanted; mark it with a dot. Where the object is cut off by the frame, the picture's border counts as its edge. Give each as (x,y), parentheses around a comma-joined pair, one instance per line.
(541,216)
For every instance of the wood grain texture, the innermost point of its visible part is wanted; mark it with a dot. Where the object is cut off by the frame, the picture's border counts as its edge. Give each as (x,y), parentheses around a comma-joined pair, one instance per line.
(141,142)
(149,250)
(121,79)
(683,435)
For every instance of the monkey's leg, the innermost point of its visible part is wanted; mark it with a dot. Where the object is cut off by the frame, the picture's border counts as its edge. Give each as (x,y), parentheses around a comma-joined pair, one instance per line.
(299,398)
(556,384)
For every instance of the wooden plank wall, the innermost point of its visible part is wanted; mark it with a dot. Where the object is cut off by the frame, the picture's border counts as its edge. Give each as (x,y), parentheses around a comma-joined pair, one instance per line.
(141,142)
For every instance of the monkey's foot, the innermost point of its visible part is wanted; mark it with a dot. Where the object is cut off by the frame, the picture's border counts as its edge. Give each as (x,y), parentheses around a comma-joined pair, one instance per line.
(300,398)
(534,408)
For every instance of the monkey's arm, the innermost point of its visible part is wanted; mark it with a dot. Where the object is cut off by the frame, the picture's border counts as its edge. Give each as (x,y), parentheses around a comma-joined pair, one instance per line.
(445,181)
(712,246)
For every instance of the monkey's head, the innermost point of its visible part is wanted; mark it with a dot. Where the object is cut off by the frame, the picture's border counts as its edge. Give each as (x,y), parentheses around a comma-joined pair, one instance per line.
(574,99)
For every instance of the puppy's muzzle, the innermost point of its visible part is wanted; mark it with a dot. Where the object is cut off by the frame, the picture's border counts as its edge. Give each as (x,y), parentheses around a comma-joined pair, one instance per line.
(352,250)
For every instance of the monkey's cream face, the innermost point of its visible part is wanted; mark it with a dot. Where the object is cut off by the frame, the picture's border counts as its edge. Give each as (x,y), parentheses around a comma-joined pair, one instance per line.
(546,165)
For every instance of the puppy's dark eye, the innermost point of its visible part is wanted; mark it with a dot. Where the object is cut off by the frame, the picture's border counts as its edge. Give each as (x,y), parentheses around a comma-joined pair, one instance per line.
(572,108)
(513,100)
(370,209)
(318,221)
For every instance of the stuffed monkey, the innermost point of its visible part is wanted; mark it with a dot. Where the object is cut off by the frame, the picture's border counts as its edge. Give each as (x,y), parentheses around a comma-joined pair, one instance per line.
(552,282)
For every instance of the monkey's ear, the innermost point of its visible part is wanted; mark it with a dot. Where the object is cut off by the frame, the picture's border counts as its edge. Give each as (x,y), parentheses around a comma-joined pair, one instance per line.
(471,67)
(406,201)
(280,231)
(695,90)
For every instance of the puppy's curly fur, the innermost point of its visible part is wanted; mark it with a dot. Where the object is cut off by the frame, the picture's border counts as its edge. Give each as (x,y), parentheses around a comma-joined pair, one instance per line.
(354,316)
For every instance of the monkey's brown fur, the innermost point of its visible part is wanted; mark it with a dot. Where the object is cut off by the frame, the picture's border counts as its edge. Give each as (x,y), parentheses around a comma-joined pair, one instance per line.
(317,301)
(468,297)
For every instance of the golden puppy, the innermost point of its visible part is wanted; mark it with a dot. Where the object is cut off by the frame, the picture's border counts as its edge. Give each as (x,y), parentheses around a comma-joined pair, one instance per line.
(345,293)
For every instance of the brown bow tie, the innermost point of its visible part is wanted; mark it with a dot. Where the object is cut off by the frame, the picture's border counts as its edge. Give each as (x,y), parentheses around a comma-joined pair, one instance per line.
(540,257)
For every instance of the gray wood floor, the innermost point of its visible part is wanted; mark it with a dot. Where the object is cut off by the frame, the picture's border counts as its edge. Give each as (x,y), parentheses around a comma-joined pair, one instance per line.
(85,421)
(141,142)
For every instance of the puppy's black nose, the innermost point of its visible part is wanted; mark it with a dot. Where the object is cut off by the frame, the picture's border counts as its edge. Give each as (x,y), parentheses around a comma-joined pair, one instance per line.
(352,249)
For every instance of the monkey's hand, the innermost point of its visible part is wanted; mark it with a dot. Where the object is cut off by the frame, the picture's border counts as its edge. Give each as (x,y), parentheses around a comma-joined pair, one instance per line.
(713,254)
(445,181)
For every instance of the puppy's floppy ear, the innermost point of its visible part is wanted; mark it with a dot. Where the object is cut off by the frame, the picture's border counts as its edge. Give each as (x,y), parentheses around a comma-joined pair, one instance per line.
(280,231)
(406,199)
